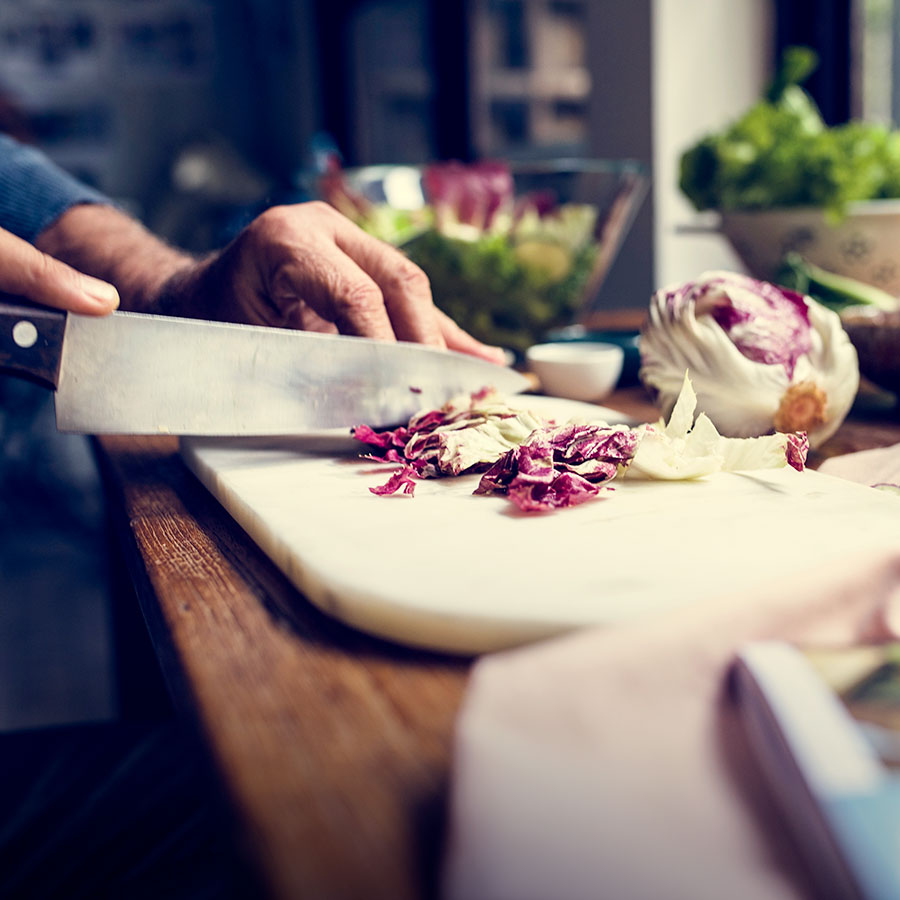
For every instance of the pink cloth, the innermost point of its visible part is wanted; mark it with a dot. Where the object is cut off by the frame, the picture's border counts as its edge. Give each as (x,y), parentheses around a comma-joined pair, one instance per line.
(610,764)
(880,466)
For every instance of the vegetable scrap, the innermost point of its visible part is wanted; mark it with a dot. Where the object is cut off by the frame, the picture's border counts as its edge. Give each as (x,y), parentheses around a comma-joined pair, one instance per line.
(761,357)
(560,466)
(540,465)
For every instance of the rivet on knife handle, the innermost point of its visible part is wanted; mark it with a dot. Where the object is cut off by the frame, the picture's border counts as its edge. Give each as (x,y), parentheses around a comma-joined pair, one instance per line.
(30,340)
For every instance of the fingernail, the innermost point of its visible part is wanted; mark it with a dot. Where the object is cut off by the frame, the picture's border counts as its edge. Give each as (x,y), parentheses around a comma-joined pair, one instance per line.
(102,292)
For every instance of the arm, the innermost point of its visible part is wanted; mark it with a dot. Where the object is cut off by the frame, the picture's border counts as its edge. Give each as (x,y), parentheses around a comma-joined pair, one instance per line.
(44,206)
(104,242)
(300,266)
(33,195)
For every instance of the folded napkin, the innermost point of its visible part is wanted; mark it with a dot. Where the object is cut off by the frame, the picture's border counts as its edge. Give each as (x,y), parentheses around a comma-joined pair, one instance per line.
(879,466)
(611,764)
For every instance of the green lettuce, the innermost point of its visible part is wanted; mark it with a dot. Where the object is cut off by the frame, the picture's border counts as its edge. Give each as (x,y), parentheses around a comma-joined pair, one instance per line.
(506,293)
(781,153)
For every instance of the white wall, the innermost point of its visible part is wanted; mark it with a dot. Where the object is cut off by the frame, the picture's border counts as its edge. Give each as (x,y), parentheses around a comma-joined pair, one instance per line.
(712,59)
(665,73)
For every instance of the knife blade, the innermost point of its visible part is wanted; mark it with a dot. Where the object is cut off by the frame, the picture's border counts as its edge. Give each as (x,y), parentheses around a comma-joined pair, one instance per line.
(132,373)
(842,801)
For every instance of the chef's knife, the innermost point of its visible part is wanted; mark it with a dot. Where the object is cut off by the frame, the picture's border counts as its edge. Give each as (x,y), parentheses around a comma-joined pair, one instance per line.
(129,373)
(841,800)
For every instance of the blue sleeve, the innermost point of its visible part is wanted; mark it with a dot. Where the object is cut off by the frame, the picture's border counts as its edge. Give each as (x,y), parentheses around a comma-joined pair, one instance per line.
(34,191)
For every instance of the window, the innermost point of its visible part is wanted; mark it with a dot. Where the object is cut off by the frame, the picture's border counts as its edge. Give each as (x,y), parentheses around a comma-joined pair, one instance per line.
(529,74)
(876,70)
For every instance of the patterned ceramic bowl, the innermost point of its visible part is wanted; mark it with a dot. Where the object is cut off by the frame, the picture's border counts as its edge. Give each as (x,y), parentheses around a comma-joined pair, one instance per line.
(865,245)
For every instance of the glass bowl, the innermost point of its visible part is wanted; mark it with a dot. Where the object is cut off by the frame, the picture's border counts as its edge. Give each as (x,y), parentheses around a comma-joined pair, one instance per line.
(512,250)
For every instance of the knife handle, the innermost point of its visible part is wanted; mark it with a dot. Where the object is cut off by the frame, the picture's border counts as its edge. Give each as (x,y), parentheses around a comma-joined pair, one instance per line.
(31,339)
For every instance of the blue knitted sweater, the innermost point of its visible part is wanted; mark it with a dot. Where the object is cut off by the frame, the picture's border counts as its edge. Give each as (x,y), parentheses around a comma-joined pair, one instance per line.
(34,191)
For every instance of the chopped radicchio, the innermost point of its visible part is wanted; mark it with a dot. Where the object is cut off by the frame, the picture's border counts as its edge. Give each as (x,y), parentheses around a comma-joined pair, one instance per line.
(797,450)
(540,465)
(467,434)
(403,479)
(560,466)
(383,439)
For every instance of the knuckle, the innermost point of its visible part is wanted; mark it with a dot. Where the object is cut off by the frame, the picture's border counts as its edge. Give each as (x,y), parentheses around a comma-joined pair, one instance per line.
(293,219)
(41,270)
(361,295)
(409,278)
(281,283)
(318,207)
(273,217)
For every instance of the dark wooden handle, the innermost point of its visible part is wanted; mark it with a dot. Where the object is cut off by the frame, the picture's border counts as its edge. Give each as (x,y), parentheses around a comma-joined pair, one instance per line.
(31,340)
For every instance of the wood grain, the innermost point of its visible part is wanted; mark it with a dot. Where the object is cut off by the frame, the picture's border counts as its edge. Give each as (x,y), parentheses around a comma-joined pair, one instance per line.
(334,746)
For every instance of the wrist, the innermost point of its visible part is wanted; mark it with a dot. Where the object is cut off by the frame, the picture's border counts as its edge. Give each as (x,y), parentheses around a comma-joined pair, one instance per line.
(106,243)
(186,292)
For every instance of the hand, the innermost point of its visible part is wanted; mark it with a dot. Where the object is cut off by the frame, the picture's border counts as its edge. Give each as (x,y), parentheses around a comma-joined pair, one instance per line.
(307,266)
(26,271)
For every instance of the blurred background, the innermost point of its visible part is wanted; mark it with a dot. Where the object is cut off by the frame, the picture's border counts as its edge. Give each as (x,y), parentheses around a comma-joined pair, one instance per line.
(196,114)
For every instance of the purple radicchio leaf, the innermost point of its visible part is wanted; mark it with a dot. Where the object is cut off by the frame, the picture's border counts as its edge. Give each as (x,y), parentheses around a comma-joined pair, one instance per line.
(420,445)
(768,324)
(404,479)
(566,489)
(497,479)
(560,466)
(424,422)
(576,445)
(544,203)
(384,439)
(471,193)
(420,466)
(796,450)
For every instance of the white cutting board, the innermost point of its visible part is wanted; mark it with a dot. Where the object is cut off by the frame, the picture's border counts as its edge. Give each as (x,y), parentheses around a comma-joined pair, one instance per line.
(451,571)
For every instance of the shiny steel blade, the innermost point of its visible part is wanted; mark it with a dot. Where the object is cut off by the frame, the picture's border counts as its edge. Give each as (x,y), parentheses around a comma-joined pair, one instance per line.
(137,374)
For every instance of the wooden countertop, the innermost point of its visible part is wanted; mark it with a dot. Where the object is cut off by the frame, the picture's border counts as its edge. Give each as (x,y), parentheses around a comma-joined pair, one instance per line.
(335,747)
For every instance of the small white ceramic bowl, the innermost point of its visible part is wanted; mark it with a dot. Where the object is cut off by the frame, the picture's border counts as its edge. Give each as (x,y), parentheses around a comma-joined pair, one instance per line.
(576,370)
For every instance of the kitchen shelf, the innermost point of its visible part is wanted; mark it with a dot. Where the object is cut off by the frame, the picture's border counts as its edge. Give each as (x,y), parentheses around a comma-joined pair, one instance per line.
(529,78)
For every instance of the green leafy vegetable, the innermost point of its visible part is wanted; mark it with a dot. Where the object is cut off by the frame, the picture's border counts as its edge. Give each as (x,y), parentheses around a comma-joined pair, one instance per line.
(781,153)
(505,292)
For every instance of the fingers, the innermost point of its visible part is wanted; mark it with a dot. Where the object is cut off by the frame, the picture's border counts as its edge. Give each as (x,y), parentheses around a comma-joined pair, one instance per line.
(463,342)
(404,286)
(25,271)
(306,265)
(309,320)
(336,288)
